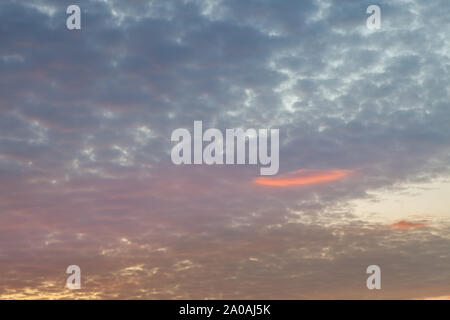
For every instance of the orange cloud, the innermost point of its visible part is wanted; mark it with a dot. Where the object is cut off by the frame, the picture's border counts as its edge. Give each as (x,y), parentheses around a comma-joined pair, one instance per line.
(406,225)
(438,298)
(303,177)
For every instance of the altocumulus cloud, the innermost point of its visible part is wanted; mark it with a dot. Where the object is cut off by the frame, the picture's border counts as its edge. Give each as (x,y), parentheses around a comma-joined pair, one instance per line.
(85,147)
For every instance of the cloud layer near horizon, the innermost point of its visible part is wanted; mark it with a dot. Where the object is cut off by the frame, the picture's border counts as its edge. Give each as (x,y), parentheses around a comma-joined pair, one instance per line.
(85,125)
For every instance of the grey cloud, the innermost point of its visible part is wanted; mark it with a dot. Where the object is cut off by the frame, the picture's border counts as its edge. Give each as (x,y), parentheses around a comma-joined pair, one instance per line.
(71,102)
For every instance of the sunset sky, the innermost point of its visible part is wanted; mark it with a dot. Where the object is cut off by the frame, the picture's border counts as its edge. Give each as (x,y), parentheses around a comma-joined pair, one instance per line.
(86,177)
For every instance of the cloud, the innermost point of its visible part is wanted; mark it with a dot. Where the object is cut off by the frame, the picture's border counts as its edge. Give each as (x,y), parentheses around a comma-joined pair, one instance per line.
(438,298)
(407,225)
(85,125)
(303,177)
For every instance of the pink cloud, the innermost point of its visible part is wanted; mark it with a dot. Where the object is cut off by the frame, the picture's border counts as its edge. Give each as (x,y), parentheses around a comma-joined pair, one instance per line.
(303,177)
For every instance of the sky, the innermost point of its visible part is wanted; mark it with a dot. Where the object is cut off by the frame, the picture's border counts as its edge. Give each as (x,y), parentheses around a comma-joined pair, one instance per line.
(86,177)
